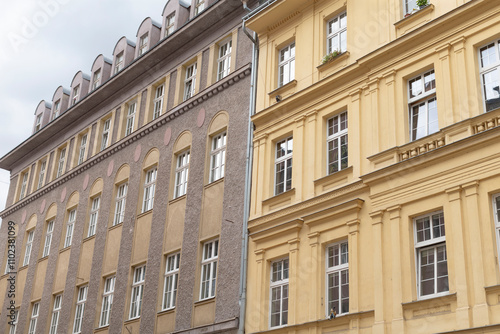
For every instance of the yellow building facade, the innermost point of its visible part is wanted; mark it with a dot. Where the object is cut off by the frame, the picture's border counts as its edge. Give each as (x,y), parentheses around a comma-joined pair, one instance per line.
(376,168)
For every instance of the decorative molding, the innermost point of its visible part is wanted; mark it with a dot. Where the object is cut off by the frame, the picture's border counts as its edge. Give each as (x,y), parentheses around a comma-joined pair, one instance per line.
(282,21)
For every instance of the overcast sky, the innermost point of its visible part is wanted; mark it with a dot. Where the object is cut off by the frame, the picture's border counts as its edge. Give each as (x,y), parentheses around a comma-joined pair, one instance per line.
(44,43)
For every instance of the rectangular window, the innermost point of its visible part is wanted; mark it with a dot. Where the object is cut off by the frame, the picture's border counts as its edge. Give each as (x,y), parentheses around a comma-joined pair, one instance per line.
(489,69)
(143,44)
(48,238)
(158,101)
(24,185)
(56,110)
(496,213)
(76,95)
(286,65)
(80,309)
(190,82)
(94,215)
(38,122)
(283,166)
(55,314)
(149,190)
(69,228)
(209,269)
(13,326)
(107,300)
(169,24)
(337,272)
(137,291)
(422,103)
(279,293)
(199,6)
(336,38)
(170,282)
(27,250)
(83,148)
(218,157)
(224,60)
(105,134)
(119,62)
(97,79)
(130,118)
(432,263)
(41,174)
(181,174)
(336,143)
(34,318)
(60,164)
(121,198)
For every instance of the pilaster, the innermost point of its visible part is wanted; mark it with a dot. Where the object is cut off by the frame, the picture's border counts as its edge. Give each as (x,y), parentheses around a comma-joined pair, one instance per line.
(378,274)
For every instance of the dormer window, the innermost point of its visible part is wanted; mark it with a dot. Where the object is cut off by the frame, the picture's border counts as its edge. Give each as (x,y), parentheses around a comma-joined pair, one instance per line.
(76,94)
(199,6)
(119,62)
(143,45)
(57,109)
(169,24)
(97,79)
(38,123)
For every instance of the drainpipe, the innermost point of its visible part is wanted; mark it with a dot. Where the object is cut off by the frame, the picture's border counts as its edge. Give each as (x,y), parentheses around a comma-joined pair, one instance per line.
(248,173)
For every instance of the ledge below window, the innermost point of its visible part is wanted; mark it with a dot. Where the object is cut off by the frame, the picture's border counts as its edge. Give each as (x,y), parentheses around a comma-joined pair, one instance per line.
(333,180)
(430,306)
(277,201)
(283,92)
(413,20)
(337,60)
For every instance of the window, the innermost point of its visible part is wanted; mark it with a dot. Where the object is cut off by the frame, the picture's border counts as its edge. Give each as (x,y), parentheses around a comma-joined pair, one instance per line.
(55,314)
(83,148)
(430,246)
(336,142)
(410,6)
(60,165)
(169,24)
(496,208)
(119,62)
(130,118)
(13,323)
(24,185)
(41,174)
(80,309)
(94,215)
(27,251)
(181,174)
(279,293)
(170,283)
(137,290)
(97,79)
(38,122)
(337,272)
(121,198)
(209,269)
(199,6)
(286,65)
(56,110)
(158,101)
(149,190)
(283,166)
(76,94)
(34,318)
(48,238)
(218,157)
(337,34)
(143,44)
(224,60)
(422,103)
(105,134)
(489,69)
(107,300)
(69,228)
(190,82)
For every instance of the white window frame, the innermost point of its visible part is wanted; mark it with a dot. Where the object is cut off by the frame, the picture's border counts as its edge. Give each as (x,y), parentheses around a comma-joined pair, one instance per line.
(41,174)
(24,185)
(62,160)
(169,24)
(286,160)
(35,311)
(190,81)
(170,282)
(182,173)
(496,214)
(149,189)
(337,143)
(218,157)
(106,126)
(424,98)
(119,62)
(80,309)
(107,300)
(143,44)
(121,201)
(38,122)
(13,327)
(76,95)
(27,248)
(94,216)
(337,263)
(281,268)
(208,279)
(56,110)
(286,64)
(158,101)
(96,81)
(493,67)
(48,238)
(137,292)
(199,6)
(434,241)
(70,224)
(336,31)
(224,59)
(54,321)
(83,149)
(129,128)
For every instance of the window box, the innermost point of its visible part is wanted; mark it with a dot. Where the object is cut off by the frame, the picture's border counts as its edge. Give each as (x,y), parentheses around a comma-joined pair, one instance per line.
(335,60)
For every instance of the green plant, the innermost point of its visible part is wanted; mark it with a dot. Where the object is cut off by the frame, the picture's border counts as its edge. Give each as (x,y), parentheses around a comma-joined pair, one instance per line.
(329,56)
(421,3)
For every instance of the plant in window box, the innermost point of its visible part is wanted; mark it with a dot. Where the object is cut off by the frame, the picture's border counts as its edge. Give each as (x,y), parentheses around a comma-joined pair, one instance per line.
(330,56)
(422,3)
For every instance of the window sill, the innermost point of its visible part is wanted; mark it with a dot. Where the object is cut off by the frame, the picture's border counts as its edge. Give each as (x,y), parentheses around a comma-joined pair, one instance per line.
(430,302)
(131,321)
(279,200)
(417,17)
(101,329)
(64,249)
(205,301)
(88,238)
(213,183)
(167,311)
(43,258)
(283,88)
(333,180)
(145,213)
(177,199)
(22,268)
(330,63)
(115,226)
